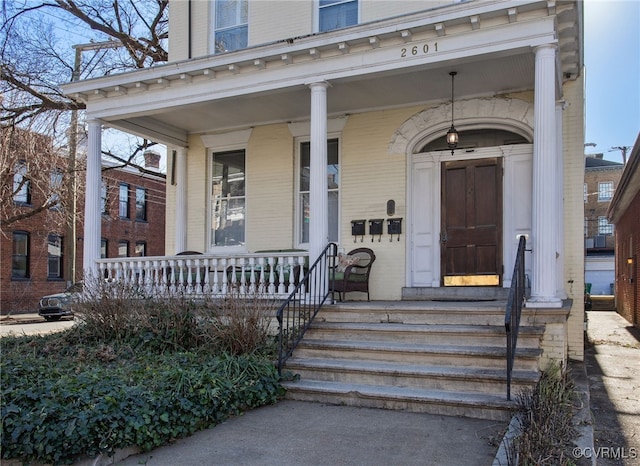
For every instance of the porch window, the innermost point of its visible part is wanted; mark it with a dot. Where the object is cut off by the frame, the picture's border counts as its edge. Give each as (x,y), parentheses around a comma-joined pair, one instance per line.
(21,185)
(141,204)
(231,25)
(20,257)
(605,191)
(333,191)
(337,14)
(228,199)
(54,253)
(123,204)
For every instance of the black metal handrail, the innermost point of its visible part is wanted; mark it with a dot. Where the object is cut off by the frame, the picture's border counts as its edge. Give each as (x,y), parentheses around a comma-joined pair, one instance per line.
(298,311)
(514,309)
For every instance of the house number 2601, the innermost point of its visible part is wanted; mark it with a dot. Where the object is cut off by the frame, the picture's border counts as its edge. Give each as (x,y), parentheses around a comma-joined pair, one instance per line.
(416,50)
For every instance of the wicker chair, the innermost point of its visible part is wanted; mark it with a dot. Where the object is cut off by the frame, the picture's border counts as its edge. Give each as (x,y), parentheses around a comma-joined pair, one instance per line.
(353,276)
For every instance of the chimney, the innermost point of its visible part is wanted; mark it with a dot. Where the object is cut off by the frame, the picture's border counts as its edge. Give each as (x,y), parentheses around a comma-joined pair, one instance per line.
(151,159)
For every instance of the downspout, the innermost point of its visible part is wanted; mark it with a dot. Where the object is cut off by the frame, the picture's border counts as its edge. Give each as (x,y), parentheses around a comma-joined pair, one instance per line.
(189,31)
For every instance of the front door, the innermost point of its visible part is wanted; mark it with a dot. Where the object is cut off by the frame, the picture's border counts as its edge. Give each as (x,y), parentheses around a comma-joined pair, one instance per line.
(471,238)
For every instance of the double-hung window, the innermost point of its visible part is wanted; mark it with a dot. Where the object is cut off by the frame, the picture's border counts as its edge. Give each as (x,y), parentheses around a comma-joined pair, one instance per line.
(333,191)
(141,204)
(103,197)
(56,189)
(21,185)
(604,227)
(123,202)
(337,14)
(54,253)
(123,248)
(20,256)
(228,199)
(605,191)
(231,25)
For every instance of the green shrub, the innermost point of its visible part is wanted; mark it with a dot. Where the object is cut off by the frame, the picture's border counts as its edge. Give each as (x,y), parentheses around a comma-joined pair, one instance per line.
(56,412)
(137,370)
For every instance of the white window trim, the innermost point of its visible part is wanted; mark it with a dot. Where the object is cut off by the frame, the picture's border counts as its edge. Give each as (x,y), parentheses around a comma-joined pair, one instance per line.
(316,16)
(212,29)
(224,142)
(600,199)
(297,207)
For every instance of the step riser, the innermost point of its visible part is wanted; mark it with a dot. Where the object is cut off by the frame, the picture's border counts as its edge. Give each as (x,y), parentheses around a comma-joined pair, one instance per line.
(474,339)
(494,386)
(353,399)
(417,317)
(441,359)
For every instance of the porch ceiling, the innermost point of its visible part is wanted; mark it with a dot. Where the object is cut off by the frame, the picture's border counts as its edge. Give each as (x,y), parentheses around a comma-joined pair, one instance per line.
(346,95)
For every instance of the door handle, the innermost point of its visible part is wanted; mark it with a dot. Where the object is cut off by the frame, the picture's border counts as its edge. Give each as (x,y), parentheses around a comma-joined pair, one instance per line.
(443,237)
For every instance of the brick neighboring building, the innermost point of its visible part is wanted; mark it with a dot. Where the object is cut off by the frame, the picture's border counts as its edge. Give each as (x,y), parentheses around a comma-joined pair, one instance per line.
(624,213)
(601,177)
(34,252)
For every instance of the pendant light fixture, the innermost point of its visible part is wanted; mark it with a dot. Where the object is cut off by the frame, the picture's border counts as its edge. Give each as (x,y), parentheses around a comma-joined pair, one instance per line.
(452,134)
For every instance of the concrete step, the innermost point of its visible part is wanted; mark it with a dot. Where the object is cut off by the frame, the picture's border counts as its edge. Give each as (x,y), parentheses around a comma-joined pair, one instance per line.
(456,334)
(455,293)
(454,378)
(444,402)
(412,353)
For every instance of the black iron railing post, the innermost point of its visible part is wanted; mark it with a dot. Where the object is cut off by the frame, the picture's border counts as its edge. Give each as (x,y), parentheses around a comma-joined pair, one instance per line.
(514,309)
(300,308)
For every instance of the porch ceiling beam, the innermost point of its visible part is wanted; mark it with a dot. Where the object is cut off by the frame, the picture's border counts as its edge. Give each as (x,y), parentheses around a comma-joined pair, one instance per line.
(509,39)
(149,128)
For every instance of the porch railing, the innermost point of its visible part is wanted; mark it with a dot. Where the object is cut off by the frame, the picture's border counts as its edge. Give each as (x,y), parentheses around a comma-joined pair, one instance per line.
(272,274)
(298,311)
(514,310)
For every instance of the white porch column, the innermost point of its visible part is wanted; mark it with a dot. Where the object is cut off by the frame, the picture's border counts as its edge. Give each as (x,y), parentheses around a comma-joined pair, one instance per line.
(318,202)
(560,287)
(545,198)
(92,211)
(180,243)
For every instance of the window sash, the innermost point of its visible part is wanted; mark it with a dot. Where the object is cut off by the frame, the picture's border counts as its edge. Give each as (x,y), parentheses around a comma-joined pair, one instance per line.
(231,25)
(337,14)
(141,249)
(228,200)
(123,203)
(103,197)
(123,249)
(141,204)
(333,190)
(54,259)
(605,191)
(21,185)
(20,256)
(604,227)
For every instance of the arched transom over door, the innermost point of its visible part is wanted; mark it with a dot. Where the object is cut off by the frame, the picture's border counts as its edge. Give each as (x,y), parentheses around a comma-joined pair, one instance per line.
(466,210)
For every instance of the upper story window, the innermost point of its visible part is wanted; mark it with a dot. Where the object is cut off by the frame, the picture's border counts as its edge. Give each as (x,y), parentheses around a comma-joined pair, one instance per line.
(123,249)
(123,204)
(228,199)
(103,197)
(141,204)
(21,185)
(605,191)
(55,185)
(337,14)
(231,25)
(604,227)
(54,253)
(333,191)
(20,257)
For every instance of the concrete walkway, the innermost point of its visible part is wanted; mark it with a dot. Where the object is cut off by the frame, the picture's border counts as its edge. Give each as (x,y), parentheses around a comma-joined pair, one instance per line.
(302,433)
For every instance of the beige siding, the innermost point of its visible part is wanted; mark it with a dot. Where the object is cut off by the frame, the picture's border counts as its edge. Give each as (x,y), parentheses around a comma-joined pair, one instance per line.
(373,10)
(278,20)
(270,187)
(369,178)
(573,128)
(178,31)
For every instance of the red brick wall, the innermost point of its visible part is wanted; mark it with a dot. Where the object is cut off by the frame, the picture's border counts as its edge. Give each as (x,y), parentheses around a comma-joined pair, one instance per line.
(627,276)
(23,295)
(594,208)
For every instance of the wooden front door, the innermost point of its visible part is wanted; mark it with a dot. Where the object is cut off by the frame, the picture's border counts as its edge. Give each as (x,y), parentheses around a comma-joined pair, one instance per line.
(471,238)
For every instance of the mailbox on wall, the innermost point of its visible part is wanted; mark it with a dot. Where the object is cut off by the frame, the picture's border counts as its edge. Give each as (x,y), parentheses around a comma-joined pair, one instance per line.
(375,228)
(357,229)
(394,227)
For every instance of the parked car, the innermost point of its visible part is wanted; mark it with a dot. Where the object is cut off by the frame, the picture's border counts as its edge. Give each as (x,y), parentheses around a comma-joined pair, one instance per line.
(54,306)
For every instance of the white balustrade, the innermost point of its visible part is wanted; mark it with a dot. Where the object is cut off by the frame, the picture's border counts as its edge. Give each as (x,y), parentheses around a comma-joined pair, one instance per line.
(266,274)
